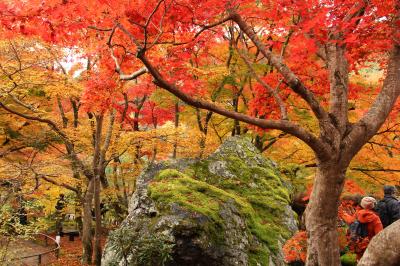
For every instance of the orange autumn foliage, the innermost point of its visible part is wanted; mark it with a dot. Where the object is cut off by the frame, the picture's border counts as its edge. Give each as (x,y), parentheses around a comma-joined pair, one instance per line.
(295,249)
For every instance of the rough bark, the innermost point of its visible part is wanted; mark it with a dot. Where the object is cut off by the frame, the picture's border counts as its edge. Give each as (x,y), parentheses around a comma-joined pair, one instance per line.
(338,78)
(384,248)
(203,129)
(97,168)
(75,108)
(87,225)
(321,215)
(236,124)
(97,234)
(62,113)
(370,123)
(339,140)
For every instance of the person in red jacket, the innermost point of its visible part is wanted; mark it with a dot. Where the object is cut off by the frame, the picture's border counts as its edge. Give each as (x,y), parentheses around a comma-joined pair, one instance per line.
(365,215)
(368,216)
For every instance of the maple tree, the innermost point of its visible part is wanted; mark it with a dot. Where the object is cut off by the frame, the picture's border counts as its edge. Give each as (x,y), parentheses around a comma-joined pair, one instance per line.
(295,249)
(33,90)
(306,50)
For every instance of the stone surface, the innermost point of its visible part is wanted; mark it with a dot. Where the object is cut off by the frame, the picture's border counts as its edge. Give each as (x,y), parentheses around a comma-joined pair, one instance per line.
(231,208)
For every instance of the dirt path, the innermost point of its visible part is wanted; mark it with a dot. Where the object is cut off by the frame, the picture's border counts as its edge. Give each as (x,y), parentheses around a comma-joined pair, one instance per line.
(24,248)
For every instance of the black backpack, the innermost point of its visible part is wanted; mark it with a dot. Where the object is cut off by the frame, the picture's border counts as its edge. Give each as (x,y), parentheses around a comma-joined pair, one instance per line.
(358,230)
(383,213)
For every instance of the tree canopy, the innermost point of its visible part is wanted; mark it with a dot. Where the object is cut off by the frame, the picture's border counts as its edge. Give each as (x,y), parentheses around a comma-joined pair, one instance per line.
(325,72)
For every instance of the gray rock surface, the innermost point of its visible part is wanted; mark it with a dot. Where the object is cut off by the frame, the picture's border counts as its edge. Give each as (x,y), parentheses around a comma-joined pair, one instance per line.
(231,208)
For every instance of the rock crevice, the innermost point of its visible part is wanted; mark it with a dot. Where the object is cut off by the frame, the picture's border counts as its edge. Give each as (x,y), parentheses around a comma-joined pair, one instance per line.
(231,208)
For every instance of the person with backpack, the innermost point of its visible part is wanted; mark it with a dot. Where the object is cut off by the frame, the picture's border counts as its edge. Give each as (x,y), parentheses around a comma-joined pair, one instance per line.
(363,226)
(389,207)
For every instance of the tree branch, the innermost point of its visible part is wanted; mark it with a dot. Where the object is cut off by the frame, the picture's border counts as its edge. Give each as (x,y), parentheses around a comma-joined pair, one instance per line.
(55,128)
(57,183)
(286,126)
(212,25)
(18,101)
(122,76)
(108,136)
(12,149)
(274,93)
(374,170)
(277,61)
(149,19)
(370,123)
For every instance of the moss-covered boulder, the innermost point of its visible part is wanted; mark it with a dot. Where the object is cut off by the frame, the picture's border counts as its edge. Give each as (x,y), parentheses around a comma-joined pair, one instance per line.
(229,209)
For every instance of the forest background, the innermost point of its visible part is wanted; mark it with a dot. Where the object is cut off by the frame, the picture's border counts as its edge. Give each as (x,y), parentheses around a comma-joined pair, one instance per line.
(74,123)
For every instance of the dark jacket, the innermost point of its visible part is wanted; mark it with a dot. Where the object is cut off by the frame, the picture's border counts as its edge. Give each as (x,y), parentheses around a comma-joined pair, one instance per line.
(392,209)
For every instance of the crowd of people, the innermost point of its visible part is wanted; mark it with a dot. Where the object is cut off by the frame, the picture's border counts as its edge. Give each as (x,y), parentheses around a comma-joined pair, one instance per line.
(368,217)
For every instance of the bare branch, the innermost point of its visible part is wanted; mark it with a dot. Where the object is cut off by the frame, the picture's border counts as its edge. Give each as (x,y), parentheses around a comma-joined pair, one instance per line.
(11,150)
(62,113)
(383,145)
(272,141)
(160,31)
(123,76)
(57,61)
(50,123)
(44,177)
(98,29)
(375,169)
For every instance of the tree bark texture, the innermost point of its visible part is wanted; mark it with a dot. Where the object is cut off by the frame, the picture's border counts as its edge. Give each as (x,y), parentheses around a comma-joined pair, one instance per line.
(338,141)
(97,234)
(87,224)
(321,215)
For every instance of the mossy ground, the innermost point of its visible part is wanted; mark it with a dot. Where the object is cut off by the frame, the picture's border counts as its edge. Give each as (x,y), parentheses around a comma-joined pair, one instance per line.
(349,259)
(256,190)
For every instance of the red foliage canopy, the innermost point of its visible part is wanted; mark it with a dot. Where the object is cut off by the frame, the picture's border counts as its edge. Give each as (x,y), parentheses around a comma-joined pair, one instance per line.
(170,32)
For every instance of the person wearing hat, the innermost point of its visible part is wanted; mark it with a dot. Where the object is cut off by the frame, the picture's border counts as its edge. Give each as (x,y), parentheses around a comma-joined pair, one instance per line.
(368,216)
(389,207)
(365,215)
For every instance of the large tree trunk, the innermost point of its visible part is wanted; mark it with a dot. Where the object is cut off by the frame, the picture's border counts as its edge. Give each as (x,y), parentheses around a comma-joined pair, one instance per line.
(338,138)
(384,248)
(321,215)
(97,233)
(87,225)
(98,169)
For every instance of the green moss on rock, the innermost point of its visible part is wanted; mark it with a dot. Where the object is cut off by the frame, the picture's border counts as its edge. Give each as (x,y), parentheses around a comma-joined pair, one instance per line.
(233,204)
(256,190)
